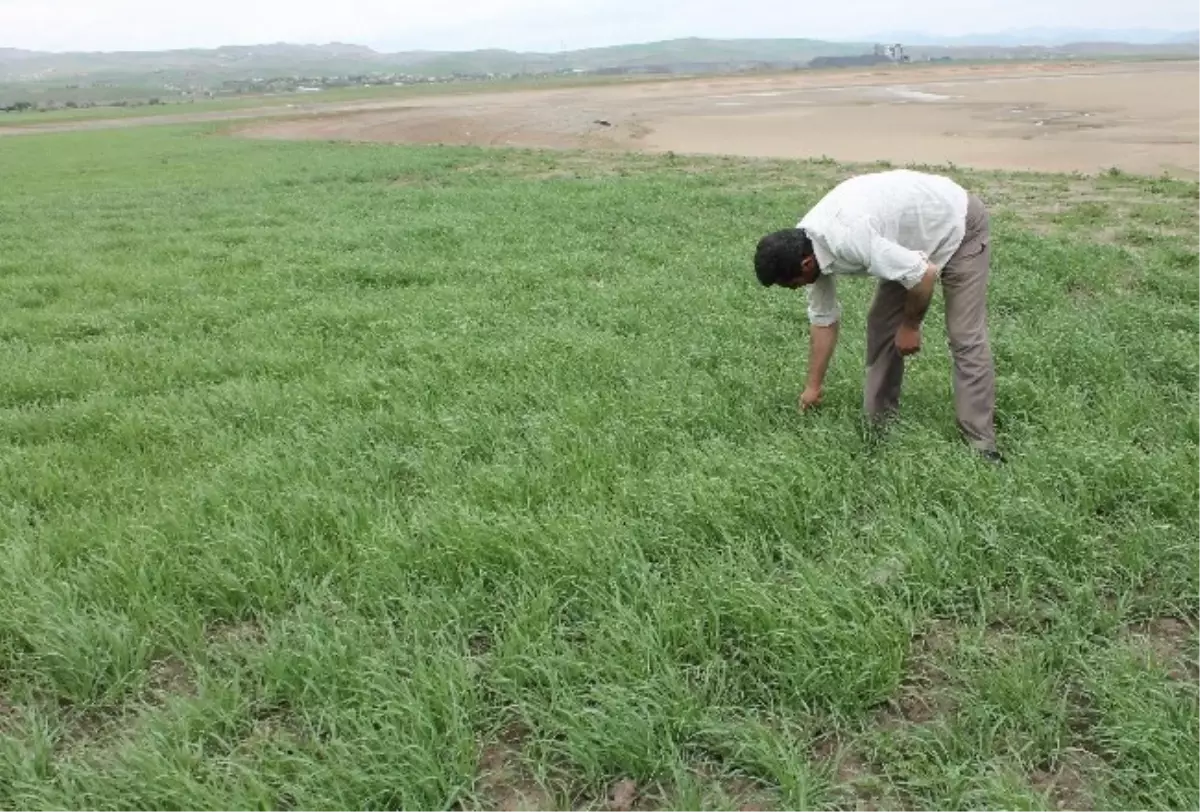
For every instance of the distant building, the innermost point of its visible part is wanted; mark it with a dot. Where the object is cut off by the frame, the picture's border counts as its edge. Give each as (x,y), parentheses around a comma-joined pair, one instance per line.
(860,61)
(880,54)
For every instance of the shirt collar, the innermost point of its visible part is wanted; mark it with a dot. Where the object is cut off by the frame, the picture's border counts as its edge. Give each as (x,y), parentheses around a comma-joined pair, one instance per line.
(824,257)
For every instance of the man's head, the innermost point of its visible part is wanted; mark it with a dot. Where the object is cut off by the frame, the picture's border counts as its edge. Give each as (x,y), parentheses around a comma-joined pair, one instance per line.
(786,258)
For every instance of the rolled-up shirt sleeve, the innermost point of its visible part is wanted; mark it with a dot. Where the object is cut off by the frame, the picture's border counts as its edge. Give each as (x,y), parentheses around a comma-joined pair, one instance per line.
(859,242)
(895,262)
(823,306)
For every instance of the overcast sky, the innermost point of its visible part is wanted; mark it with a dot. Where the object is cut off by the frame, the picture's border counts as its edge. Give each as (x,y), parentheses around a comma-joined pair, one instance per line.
(60,25)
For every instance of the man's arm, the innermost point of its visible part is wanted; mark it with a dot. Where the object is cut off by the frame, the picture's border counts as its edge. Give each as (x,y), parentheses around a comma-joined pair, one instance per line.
(821,343)
(912,269)
(916,304)
(824,312)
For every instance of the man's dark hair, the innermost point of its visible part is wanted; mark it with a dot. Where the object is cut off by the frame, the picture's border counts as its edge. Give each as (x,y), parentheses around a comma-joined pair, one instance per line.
(779,256)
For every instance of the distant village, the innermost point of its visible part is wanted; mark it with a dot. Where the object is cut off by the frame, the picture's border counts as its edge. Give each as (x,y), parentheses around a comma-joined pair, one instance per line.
(315,84)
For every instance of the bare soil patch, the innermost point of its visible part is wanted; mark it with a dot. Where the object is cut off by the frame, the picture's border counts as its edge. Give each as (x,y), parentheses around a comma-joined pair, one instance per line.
(859,785)
(235,633)
(8,714)
(1069,783)
(622,795)
(94,728)
(1166,640)
(505,783)
(925,695)
(169,677)
(722,790)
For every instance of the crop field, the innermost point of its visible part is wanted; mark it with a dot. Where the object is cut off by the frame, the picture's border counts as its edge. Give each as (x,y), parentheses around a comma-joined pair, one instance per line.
(375,476)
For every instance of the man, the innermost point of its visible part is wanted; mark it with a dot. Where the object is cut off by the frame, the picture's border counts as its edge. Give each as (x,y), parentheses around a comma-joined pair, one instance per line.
(907,229)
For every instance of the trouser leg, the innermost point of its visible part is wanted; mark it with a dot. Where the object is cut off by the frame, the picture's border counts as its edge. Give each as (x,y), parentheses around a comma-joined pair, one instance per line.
(885,365)
(964,282)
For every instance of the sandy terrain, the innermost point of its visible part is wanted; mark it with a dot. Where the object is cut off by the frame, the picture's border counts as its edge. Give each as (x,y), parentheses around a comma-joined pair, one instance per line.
(1141,117)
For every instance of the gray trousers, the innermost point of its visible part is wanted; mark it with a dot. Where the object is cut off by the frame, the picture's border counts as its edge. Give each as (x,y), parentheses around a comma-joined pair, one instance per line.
(964,281)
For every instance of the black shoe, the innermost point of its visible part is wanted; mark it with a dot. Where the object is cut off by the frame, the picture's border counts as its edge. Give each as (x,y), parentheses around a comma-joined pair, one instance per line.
(993,456)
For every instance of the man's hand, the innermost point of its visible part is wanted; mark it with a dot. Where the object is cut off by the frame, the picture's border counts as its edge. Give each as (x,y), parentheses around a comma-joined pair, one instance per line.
(810,398)
(908,339)
(908,336)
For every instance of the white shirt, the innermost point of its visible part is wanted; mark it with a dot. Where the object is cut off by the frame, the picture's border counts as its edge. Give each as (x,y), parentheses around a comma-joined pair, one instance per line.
(890,225)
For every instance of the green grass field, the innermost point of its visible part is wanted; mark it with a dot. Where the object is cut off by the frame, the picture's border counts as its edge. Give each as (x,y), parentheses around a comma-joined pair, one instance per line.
(371,476)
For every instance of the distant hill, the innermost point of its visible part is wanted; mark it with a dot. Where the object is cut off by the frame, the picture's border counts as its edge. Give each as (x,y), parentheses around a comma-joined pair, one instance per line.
(246,62)
(1049,37)
(251,61)
(16,54)
(240,61)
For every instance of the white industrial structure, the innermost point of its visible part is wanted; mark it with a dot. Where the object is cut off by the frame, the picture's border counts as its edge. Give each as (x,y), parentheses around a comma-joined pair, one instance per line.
(893,52)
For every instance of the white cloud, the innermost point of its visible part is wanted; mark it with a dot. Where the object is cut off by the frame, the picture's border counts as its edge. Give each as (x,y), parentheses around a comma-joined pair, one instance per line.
(537,24)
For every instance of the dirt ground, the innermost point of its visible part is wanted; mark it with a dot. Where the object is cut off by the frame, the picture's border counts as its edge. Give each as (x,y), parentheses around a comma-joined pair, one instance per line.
(1140,117)
(1056,117)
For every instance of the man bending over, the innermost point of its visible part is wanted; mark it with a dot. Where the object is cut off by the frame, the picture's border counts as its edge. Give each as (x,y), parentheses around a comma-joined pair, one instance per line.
(908,230)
